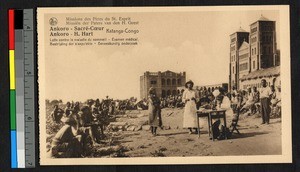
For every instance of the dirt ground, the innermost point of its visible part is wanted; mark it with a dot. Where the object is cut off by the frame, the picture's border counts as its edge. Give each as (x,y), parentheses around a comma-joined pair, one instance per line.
(255,139)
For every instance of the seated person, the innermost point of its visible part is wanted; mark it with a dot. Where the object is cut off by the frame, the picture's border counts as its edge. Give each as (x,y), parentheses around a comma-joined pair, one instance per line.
(249,101)
(276,102)
(67,141)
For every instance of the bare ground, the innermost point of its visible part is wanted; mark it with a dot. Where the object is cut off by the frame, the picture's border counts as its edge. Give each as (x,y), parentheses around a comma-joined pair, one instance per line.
(255,139)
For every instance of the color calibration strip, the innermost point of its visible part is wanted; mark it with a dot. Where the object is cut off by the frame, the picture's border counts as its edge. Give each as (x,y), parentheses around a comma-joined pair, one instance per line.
(13,123)
(21,64)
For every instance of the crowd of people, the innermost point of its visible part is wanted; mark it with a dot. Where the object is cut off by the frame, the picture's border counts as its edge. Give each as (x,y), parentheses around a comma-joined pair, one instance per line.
(84,124)
(172,101)
(266,101)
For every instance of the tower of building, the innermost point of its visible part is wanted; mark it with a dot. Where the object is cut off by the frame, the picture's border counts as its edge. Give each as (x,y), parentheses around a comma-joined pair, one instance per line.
(262,44)
(236,40)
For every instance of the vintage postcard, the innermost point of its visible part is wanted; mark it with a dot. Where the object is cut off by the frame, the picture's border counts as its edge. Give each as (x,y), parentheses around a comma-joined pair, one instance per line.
(164,85)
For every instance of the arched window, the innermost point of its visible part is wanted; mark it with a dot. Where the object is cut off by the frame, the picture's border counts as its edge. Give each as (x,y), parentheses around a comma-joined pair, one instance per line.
(163,81)
(179,81)
(168,92)
(168,82)
(173,81)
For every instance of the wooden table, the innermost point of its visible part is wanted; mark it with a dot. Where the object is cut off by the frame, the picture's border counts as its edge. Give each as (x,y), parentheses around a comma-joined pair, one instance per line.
(211,114)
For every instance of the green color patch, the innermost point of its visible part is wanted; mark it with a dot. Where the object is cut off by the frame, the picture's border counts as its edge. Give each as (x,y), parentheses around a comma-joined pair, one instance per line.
(13,109)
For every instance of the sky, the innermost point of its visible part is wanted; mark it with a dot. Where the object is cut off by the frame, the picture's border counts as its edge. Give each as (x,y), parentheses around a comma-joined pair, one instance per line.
(195,42)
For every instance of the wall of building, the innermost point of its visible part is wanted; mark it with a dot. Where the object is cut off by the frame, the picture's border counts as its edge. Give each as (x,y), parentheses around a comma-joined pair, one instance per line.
(165,83)
(244,60)
(254,46)
(257,82)
(236,40)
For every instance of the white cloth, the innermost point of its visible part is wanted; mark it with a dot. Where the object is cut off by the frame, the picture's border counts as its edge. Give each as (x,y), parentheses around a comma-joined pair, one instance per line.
(265,92)
(226,103)
(190,110)
(234,98)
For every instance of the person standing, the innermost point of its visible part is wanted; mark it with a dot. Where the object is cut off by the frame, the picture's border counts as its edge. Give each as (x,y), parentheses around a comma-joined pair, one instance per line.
(154,111)
(265,93)
(68,109)
(189,98)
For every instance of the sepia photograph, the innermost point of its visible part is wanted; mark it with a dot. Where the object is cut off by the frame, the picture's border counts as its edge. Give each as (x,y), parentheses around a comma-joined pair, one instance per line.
(164,85)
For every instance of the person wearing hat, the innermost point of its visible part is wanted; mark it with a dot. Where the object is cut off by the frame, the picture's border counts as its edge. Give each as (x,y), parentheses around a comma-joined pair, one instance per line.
(189,98)
(154,111)
(67,142)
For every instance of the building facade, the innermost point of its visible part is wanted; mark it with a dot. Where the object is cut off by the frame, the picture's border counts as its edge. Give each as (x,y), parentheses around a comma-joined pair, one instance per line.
(165,83)
(236,40)
(255,54)
(244,59)
(253,79)
(262,44)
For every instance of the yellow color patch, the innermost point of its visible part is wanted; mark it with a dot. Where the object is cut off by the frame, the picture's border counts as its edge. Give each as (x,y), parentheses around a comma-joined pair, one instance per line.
(12,75)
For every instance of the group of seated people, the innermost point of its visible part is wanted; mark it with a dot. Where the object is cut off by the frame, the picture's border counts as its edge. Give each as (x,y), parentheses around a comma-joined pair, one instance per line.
(246,101)
(172,101)
(249,100)
(83,127)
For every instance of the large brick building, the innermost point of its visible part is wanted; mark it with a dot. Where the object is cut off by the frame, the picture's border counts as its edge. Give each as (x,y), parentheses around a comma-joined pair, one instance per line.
(254,55)
(165,83)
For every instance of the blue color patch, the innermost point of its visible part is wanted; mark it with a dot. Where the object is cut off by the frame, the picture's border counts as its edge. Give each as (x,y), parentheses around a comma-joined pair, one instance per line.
(13,144)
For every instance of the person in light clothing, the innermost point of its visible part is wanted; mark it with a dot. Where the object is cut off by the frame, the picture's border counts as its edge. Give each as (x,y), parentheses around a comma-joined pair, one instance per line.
(189,98)
(265,93)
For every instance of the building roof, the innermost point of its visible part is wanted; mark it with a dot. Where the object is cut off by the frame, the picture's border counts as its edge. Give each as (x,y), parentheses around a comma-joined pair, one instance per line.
(269,72)
(241,30)
(244,45)
(263,18)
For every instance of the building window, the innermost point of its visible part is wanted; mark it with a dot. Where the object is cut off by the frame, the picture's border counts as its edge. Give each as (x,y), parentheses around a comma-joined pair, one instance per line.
(163,81)
(253,65)
(232,48)
(244,56)
(233,40)
(168,82)
(173,81)
(253,39)
(153,82)
(232,69)
(179,81)
(253,30)
(243,66)
(254,51)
